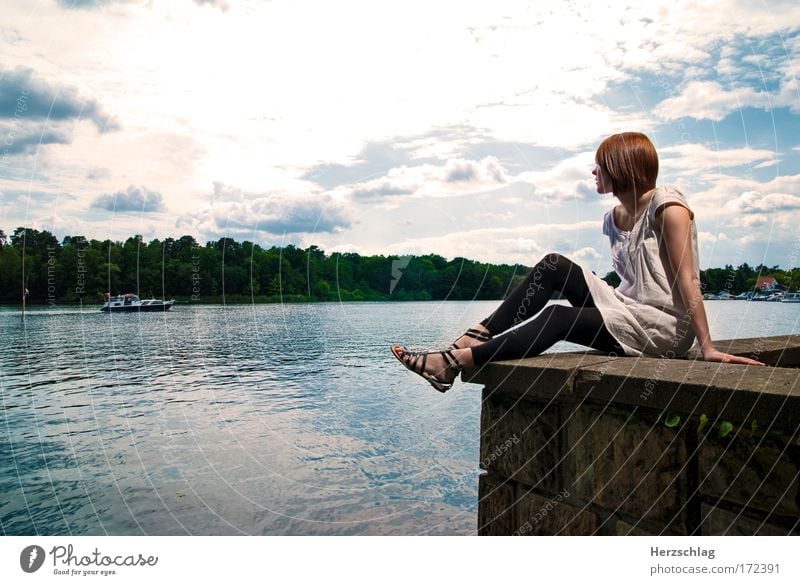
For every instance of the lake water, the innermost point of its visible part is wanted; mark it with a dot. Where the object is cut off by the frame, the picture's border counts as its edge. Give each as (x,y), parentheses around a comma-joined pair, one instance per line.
(267,419)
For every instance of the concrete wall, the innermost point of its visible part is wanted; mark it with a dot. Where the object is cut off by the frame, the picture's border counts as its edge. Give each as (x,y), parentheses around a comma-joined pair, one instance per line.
(583,443)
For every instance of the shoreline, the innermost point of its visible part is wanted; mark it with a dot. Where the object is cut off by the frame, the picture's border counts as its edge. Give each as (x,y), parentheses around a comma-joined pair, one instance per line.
(221,303)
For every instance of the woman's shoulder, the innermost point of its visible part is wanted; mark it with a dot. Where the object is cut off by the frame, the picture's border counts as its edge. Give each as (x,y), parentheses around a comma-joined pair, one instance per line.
(666,190)
(665,195)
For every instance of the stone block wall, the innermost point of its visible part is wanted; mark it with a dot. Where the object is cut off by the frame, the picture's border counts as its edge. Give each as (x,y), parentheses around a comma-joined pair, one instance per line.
(581,443)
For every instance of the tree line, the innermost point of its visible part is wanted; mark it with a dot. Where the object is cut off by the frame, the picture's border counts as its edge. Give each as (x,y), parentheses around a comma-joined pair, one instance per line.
(77,269)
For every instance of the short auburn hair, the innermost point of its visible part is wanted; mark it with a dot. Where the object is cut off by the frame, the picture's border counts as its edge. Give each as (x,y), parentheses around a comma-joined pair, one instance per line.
(630,159)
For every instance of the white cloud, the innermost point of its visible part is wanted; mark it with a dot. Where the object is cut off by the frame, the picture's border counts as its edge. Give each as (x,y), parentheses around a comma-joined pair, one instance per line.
(133,199)
(569,179)
(274,214)
(709,100)
(767,164)
(220,4)
(456,177)
(586,253)
(727,67)
(789,94)
(724,197)
(710,237)
(554,119)
(694,72)
(493,217)
(753,201)
(224,192)
(486,172)
(751,221)
(24,95)
(701,158)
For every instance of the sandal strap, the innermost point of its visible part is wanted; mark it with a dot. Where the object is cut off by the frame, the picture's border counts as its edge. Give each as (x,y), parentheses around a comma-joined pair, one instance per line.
(474,334)
(479,335)
(451,361)
(414,362)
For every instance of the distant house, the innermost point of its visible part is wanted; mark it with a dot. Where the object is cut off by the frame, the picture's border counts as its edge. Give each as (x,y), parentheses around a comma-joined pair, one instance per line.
(766,283)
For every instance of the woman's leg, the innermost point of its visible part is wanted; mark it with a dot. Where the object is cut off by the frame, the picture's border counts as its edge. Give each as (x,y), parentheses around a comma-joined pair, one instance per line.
(552,273)
(581,325)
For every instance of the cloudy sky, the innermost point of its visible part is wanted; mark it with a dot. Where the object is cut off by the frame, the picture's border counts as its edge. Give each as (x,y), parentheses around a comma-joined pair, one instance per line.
(465,129)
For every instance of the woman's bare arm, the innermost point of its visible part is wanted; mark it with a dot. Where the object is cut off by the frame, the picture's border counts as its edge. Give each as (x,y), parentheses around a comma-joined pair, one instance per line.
(675,226)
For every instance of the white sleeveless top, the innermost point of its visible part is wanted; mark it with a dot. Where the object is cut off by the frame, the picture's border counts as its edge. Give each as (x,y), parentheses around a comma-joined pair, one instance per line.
(619,242)
(645,314)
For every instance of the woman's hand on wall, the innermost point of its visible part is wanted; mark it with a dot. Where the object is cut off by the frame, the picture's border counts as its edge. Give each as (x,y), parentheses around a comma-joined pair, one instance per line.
(713,355)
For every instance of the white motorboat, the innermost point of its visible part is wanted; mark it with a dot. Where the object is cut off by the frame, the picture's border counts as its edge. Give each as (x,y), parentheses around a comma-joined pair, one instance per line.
(791,297)
(131,302)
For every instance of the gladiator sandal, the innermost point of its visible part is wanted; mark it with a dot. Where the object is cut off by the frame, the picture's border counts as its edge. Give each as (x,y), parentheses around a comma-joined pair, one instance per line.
(416,360)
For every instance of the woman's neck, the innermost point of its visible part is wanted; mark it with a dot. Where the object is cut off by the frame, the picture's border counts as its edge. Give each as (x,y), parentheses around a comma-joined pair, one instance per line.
(633,203)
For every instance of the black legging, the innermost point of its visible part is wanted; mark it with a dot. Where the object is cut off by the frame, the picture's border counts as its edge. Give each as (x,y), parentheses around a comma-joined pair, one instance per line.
(581,323)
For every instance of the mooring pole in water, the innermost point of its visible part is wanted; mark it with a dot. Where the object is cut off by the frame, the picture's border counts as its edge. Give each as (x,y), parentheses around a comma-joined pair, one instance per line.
(25,294)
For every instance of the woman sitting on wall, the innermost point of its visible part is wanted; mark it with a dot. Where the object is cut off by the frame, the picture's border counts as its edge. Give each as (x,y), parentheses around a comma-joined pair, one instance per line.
(657,310)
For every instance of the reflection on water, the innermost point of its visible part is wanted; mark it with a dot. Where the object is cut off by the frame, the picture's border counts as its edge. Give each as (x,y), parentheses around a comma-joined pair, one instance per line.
(273,419)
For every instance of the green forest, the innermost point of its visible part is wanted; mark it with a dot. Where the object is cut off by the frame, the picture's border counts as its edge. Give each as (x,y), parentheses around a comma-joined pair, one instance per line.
(79,270)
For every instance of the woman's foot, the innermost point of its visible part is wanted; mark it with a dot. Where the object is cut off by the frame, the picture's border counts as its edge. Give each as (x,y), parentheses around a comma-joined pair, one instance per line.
(440,368)
(474,336)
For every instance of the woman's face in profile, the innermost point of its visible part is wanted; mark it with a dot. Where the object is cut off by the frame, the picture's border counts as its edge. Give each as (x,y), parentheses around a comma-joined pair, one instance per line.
(601,179)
